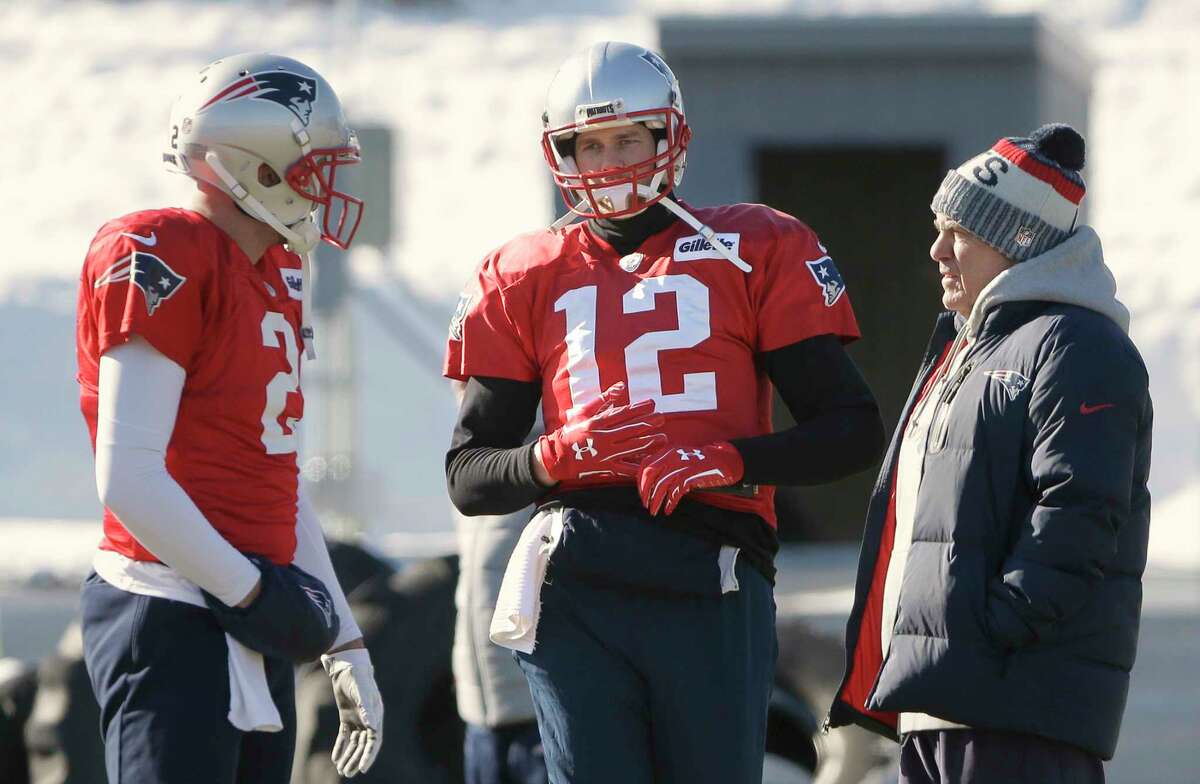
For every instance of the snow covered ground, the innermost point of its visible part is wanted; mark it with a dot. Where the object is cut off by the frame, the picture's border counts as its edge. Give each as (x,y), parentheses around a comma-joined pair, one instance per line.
(88,86)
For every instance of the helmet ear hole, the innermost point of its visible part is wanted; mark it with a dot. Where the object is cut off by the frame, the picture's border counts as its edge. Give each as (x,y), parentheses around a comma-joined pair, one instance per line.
(565,145)
(267,176)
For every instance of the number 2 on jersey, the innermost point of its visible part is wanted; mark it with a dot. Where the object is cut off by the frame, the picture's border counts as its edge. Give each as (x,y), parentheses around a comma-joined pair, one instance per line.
(641,355)
(277,333)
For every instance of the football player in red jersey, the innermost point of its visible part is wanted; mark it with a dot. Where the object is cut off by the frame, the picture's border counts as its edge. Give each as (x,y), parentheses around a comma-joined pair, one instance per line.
(653,333)
(212,578)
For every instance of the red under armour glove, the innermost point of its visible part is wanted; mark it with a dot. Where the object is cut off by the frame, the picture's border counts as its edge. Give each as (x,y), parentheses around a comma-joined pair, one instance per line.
(603,440)
(670,474)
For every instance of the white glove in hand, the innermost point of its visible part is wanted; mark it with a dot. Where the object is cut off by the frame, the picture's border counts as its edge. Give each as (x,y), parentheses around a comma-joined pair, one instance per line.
(360,710)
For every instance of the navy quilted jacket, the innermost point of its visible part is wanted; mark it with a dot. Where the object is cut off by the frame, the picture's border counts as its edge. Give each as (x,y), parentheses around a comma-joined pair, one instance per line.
(1022,591)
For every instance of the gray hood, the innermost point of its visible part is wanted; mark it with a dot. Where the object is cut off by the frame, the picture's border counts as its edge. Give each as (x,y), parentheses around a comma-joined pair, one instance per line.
(1072,272)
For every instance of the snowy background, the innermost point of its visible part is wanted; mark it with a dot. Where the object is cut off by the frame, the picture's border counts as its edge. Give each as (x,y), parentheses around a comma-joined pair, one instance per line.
(87,87)
(461,84)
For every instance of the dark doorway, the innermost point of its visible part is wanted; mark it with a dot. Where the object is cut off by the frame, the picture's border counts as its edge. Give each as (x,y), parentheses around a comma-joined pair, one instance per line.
(870,207)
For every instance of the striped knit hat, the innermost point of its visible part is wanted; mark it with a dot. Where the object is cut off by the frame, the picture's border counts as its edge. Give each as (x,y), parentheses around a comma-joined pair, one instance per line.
(1022,196)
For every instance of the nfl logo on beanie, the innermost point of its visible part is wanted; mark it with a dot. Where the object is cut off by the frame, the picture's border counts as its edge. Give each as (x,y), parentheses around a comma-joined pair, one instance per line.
(1021,196)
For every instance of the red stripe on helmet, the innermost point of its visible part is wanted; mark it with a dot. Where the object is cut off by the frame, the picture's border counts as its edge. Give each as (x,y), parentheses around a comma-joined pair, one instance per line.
(235,86)
(251,89)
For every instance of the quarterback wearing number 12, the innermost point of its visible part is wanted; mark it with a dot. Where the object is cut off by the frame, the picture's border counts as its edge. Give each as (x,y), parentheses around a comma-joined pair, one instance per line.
(653,333)
(212,579)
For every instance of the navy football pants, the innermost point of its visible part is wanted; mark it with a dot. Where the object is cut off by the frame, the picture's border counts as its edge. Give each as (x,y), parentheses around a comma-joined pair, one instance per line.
(993,757)
(653,689)
(503,755)
(160,672)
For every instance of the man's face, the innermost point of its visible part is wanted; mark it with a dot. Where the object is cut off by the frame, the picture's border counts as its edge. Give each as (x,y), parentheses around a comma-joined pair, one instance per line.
(966,262)
(613,148)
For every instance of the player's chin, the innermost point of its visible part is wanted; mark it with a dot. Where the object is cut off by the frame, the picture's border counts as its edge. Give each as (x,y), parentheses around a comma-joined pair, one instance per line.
(951,297)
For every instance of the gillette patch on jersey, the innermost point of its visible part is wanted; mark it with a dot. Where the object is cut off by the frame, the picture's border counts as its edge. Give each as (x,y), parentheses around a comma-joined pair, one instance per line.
(828,279)
(294,280)
(695,247)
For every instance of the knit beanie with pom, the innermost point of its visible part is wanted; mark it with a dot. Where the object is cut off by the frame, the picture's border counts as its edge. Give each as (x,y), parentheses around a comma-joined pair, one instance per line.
(1021,196)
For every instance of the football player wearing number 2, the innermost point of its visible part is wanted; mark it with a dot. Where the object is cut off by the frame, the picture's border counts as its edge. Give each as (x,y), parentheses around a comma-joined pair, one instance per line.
(213,579)
(653,333)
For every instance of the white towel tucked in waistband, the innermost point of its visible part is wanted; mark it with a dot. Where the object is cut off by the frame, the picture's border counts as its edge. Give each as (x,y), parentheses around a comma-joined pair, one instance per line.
(250,705)
(251,708)
(514,623)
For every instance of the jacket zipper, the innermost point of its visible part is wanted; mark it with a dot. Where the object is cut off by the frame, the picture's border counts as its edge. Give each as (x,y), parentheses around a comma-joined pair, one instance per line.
(928,366)
(941,418)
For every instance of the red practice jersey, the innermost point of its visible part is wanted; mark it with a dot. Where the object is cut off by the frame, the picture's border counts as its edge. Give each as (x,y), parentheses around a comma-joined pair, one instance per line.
(179,282)
(681,325)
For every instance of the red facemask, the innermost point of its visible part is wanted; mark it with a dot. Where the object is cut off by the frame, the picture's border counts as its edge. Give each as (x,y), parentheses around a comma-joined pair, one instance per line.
(315,178)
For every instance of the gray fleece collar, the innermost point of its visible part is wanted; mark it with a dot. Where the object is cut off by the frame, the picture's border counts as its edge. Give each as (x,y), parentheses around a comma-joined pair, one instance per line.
(1072,272)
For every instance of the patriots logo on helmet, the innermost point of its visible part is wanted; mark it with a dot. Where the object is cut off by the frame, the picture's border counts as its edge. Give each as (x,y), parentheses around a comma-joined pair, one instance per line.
(826,274)
(1012,381)
(149,273)
(292,91)
(656,62)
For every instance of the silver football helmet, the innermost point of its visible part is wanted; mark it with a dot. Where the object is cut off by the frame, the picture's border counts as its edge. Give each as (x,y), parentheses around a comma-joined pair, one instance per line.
(269,131)
(606,85)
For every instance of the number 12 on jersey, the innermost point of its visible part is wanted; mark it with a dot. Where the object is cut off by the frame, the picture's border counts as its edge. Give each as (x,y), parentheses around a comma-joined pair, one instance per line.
(642,354)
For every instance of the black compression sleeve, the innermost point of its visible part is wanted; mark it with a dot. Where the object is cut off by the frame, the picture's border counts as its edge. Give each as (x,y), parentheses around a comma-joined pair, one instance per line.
(487,466)
(838,429)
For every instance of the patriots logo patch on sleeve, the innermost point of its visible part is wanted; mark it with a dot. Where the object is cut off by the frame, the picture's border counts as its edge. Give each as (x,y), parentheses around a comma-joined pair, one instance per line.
(826,274)
(293,92)
(149,273)
(460,315)
(1012,381)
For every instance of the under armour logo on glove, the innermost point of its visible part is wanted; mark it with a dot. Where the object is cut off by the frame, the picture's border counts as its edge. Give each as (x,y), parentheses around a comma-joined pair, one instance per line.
(604,440)
(585,449)
(667,476)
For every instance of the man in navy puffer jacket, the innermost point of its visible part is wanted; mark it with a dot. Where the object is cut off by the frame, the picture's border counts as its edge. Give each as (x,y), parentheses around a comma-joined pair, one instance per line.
(999,588)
